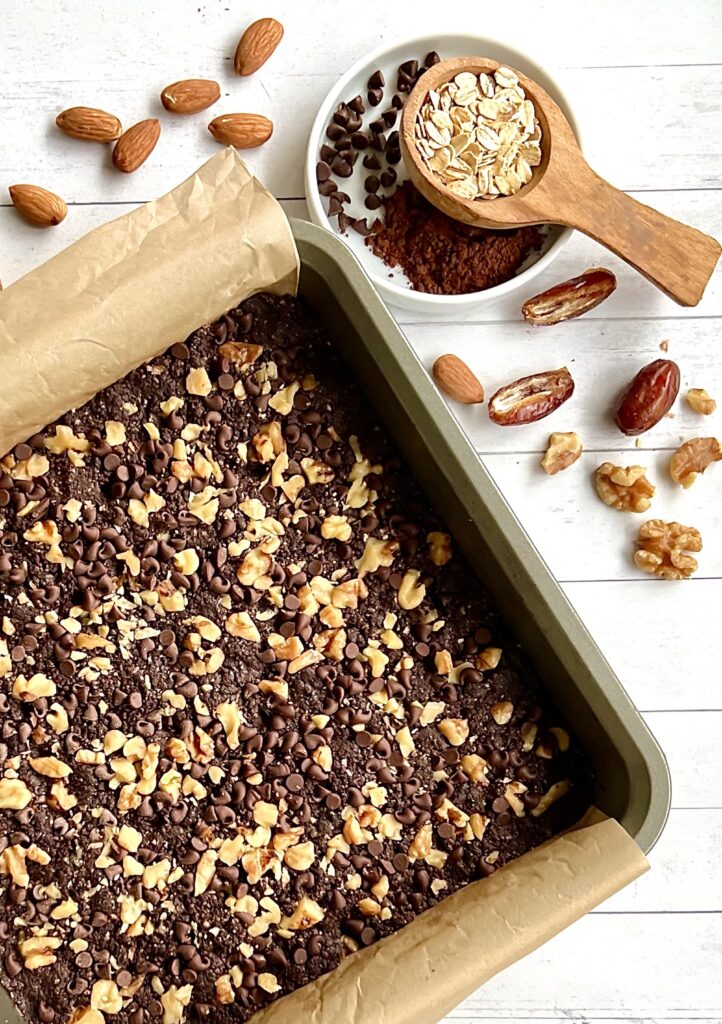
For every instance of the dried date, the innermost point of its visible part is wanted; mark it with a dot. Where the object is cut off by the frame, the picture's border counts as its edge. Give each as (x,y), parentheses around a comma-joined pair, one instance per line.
(570,298)
(531,398)
(649,397)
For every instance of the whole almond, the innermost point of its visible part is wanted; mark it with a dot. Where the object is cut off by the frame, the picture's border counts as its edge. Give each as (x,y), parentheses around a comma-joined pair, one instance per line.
(457,381)
(135,145)
(89,123)
(190,95)
(244,131)
(256,45)
(38,205)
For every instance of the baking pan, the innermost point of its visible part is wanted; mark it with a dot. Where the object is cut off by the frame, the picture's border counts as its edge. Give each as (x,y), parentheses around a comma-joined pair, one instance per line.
(632,778)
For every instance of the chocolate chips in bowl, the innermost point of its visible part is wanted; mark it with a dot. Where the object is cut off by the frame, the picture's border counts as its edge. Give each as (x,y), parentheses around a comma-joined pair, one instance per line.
(357,185)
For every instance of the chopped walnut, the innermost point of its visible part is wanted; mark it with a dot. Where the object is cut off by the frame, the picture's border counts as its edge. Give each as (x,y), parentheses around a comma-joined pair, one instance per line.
(405,741)
(317,472)
(662,546)
(331,642)
(300,857)
(563,451)
(230,717)
(66,441)
(86,1015)
(39,951)
(304,660)
(265,814)
(420,846)
(14,795)
(60,798)
(700,401)
(51,767)
(225,994)
(369,907)
(488,659)
(411,592)
(692,458)
(502,711)
(34,688)
(555,792)
(240,353)
(205,870)
(106,997)
(626,490)
(129,838)
(475,767)
(440,549)
(115,432)
(512,793)
(186,561)
(204,505)
(198,382)
(174,1003)
(282,401)
(307,914)
(276,687)
(242,625)
(376,553)
(561,736)
(254,567)
(268,441)
(323,757)
(431,711)
(268,982)
(443,662)
(336,528)
(455,730)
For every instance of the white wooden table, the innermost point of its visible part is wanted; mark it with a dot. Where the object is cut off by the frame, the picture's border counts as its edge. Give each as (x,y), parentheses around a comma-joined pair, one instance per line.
(646,81)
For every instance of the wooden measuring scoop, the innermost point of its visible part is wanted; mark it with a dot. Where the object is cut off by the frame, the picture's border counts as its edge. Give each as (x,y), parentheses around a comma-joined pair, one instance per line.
(565,190)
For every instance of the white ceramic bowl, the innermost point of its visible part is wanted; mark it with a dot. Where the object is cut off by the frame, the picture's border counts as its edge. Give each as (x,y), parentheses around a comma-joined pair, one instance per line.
(393,284)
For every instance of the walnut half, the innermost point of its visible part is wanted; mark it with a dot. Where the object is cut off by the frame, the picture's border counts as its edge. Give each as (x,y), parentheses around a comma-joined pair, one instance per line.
(662,546)
(626,489)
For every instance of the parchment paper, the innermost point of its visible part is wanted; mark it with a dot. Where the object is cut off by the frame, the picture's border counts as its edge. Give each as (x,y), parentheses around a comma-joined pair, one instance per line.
(423,971)
(129,289)
(118,297)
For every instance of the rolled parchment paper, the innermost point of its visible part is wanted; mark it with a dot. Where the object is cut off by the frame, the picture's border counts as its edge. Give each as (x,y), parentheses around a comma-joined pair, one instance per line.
(420,973)
(118,297)
(127,290)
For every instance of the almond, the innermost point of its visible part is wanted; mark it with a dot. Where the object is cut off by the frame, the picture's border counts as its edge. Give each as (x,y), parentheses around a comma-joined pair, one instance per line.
(135,145)
(190,95)
(89,123)
(457,381)
(244,131)
(38,205)
(256,45)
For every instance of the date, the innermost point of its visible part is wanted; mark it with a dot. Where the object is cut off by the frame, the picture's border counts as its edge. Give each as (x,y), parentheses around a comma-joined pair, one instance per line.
(648,397)
(570,298)
(531,398)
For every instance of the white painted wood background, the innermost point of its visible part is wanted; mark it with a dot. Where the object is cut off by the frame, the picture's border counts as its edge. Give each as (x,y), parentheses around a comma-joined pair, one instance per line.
(645,79)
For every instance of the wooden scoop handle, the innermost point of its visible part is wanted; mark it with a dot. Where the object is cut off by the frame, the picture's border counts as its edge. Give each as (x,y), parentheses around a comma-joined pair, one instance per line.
(676,258)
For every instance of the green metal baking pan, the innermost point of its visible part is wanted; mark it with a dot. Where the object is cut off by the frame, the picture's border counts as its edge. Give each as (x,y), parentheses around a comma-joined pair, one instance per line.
(632,778)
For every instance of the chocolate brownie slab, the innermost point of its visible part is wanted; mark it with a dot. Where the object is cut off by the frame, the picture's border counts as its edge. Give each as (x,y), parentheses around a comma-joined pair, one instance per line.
(255,711)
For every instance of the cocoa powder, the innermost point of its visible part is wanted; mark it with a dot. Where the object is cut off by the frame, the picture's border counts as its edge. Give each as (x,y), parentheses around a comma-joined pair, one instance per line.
(442,256)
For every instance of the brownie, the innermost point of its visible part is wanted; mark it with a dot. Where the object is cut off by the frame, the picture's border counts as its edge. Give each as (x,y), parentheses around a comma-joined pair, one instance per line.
(256,713)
